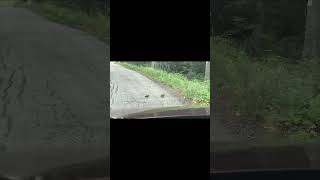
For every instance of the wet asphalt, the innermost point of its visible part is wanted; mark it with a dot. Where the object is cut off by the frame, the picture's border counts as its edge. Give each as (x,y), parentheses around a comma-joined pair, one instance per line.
(52,94)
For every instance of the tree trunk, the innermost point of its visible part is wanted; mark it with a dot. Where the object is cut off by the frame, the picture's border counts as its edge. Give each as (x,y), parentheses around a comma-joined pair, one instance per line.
(212,14)
(207,71)
(312,30)
(153,64)
(259,31)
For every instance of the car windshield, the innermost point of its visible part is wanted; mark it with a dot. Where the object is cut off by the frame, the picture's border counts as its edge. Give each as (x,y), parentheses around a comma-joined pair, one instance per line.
(148,85)
(266,71)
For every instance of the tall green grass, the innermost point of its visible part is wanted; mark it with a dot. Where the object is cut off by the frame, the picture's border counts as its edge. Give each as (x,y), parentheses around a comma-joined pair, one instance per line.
(269,90)
(97,25)
(195,90)
(7,3)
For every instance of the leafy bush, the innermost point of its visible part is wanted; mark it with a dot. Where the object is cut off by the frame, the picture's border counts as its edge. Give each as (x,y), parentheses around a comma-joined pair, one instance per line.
(92,7)
(97,24)
(190,69)
(300,136)
(270,25)
(314,112)
(269,89)
(140,63)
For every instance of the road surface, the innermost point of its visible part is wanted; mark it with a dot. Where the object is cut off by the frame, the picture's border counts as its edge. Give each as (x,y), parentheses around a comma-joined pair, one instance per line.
(128,91)
(52,94)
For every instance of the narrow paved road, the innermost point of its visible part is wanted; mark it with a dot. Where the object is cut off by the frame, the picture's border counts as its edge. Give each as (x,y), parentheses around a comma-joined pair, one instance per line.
(128,91)
(52,94)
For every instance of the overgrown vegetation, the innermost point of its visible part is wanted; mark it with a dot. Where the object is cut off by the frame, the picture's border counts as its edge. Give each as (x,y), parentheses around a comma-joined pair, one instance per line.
(190,69)
(4,3)
(262,26)
(268,89)
(89,16)
(266,62)
(198,91)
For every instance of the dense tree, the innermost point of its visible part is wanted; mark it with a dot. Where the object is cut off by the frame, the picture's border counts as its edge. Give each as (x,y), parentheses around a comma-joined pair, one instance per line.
(216,7)
(312,35)
(190,69)
(261,25)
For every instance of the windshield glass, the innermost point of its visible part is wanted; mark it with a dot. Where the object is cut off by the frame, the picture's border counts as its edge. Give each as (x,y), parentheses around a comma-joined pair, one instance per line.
(158,85)
(266,73)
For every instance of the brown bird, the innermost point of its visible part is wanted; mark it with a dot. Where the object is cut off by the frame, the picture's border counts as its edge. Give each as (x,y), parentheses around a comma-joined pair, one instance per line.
(162,96)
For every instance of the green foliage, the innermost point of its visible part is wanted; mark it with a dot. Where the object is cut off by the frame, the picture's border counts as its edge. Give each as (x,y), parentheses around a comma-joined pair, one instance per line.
(262,25)
(97,24)
(281,17)
(258,64)
(195,90)
(190,69)
(300,136)
(314,112)
(140,63)
(91,7)
(269,88)
(8,3)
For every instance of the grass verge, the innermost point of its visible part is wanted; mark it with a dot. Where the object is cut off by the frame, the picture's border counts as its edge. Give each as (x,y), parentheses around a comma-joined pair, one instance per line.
(97,25)
(7,3)
(271,91)
(195,90)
